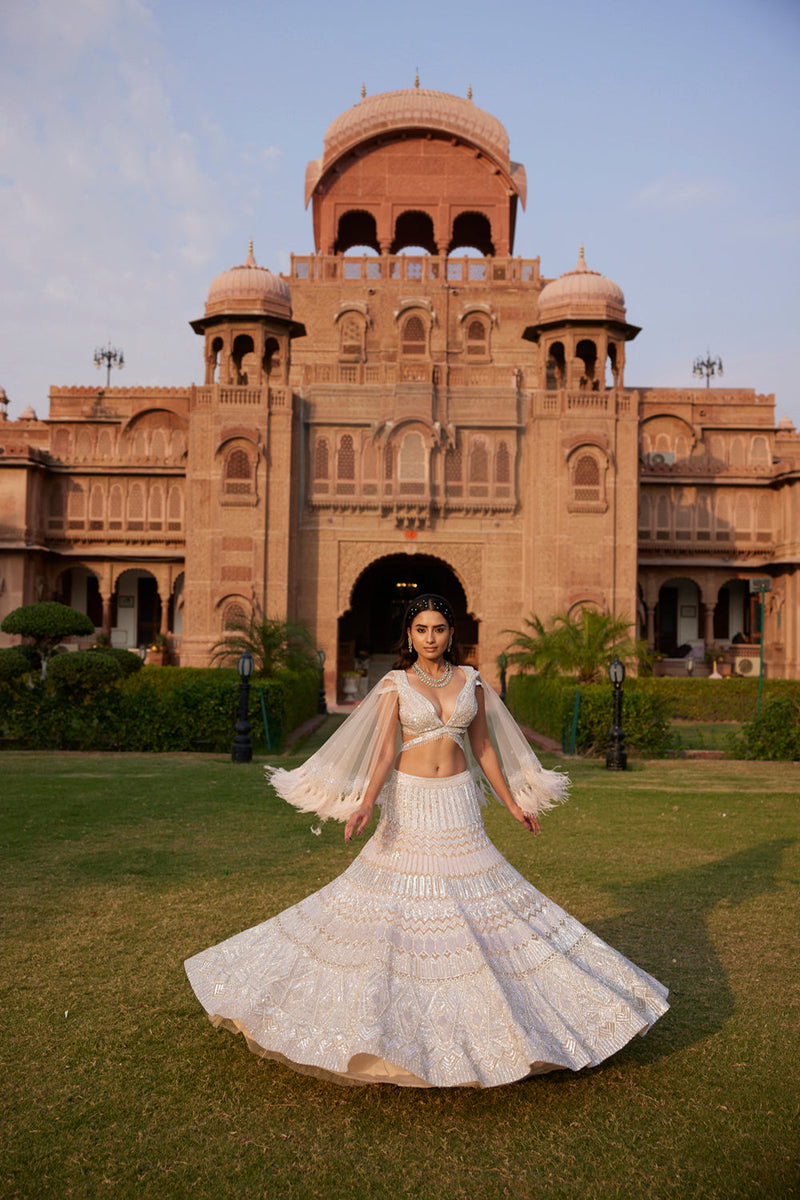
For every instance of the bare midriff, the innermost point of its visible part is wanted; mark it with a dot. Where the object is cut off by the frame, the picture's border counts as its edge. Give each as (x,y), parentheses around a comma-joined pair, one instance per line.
(439,757)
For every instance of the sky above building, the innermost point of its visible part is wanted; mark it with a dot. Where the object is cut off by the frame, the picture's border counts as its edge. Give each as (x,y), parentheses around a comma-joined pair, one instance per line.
(144,142)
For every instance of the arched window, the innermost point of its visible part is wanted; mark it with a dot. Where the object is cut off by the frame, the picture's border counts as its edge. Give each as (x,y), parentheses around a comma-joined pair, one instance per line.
(723,525)
(388,462)
(350,337)
(238,473)
(743,517)
(586,478)
(62,443)
(104,444)
(76,505)
(644,516)
(683,516)
(413,338)
(136,507)
(764,519)
(158,447)
(502,464)
(454,472)
(233,614)
(703,518)
(156,518)
(96,505)
(139,444)
(115,507)
(477,338)
(346,466)
(84,447)
(175,509)
(321,460)
(478,462)
(556,367)
(737,452)
(411,465)
(56,505)
(662,518)
(760,456)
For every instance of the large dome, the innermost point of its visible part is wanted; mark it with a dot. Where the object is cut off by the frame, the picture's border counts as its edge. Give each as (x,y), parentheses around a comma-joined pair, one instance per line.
(418,109)
(249,288)
(581,293)
(415,108)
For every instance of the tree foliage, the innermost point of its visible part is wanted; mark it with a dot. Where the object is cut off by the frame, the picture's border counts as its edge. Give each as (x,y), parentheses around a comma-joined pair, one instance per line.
(46,624)
(275,645)
(580,646)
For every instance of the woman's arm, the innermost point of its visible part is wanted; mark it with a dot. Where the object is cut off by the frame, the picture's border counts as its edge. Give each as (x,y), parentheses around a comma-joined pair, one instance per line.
(488,762)
(380,767)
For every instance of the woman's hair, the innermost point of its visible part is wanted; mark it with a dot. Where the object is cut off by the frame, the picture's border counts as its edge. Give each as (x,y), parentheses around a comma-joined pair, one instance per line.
(418,604)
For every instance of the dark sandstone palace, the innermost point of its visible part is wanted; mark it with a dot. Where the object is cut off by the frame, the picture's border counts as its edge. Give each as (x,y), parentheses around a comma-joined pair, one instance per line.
(411,407)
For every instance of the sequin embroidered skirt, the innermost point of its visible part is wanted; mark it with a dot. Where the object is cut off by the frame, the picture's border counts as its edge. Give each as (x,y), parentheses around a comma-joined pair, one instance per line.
(430,962)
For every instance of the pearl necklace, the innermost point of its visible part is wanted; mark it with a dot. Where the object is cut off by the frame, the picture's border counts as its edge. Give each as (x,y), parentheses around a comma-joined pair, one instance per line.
(429,680)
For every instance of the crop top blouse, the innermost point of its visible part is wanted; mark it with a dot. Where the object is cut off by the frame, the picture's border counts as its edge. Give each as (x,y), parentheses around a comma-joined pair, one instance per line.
(419,720)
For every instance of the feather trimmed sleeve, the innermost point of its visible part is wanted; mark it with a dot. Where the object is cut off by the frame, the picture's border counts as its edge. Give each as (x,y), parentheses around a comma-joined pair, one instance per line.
(534,788)
(332,782)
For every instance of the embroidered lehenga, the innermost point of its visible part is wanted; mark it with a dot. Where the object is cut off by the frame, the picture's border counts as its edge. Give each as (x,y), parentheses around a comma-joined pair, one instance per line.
(430,962)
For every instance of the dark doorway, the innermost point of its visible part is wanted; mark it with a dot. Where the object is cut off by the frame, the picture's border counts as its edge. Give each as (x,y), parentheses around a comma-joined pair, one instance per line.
(148,611)
(371,627)
(666,618)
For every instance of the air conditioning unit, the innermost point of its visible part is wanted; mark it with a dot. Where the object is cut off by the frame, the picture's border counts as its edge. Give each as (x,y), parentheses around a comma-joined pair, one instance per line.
(749,668)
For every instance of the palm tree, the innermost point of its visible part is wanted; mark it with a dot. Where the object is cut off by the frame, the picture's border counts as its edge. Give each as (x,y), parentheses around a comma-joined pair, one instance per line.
(580,645)
(274,644)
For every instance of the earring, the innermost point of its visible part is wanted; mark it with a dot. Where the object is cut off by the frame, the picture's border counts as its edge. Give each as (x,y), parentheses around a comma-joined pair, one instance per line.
(450,643)
(410,643)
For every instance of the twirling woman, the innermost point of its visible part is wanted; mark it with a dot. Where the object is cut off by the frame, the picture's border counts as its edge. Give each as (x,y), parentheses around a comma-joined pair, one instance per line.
(430,962)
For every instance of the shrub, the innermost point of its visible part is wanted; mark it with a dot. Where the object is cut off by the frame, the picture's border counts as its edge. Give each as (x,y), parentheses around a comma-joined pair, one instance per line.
(46,624)
(13,664)
(774,733)
(80,675)
(129,662)
(547,705)
(713,699)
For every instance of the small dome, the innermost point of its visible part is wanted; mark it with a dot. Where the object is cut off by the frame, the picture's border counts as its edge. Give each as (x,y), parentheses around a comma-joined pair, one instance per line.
(581,293)
(27,414)
(249,288)
(786,423)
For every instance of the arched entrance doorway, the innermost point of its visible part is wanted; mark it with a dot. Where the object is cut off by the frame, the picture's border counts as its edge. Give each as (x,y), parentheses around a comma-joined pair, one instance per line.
(371,627)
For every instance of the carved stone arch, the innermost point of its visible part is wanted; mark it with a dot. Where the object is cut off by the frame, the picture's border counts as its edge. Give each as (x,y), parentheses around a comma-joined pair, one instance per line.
(592,599)
(465,562)
(662,431)
(156,416)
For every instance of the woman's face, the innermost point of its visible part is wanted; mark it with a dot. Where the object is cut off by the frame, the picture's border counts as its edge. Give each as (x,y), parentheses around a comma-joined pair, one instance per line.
(430,634)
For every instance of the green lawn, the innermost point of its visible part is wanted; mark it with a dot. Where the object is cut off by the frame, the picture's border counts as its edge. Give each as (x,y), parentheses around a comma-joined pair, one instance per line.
(115,868)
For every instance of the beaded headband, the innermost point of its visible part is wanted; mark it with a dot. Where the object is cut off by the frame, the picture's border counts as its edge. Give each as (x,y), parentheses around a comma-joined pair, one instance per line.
(437,603)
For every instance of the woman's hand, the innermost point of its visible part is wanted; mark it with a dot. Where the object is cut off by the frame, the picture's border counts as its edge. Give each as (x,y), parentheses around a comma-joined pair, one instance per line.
(525,818)
(357,821)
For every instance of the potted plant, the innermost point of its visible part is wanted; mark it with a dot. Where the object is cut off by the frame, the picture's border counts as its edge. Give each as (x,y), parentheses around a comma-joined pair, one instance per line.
(158,651)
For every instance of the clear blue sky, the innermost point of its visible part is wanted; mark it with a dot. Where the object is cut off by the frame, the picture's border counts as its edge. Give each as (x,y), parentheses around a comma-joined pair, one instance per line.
(143,142)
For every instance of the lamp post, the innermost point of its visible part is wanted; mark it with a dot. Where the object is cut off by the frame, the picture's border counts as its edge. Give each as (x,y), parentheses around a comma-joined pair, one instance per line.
(242,746)
(616,758)
(322,706)
(707,367)
(111,356)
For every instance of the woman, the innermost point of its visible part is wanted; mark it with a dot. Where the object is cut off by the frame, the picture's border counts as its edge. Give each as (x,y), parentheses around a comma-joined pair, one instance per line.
(430,962)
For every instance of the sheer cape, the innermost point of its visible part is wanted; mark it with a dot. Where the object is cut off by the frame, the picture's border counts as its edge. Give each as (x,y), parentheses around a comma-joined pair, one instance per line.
(332,782)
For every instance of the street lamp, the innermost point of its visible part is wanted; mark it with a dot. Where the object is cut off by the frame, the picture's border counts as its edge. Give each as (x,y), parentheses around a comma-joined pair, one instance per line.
(322,706)
(111,356)
(242,746)
(616,758)
(707,367)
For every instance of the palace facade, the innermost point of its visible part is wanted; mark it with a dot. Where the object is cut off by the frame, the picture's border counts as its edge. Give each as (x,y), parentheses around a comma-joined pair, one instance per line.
(411,406)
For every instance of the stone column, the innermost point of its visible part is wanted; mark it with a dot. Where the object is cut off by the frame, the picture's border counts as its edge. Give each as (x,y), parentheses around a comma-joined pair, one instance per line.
(106,619)
(708,617)
(650,614)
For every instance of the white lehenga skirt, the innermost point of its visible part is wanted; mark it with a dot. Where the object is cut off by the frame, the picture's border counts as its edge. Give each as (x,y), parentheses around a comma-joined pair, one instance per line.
(430,962)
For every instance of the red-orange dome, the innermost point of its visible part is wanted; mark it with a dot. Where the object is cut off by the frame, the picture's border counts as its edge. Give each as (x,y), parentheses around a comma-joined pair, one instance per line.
(249,288)
(582,293)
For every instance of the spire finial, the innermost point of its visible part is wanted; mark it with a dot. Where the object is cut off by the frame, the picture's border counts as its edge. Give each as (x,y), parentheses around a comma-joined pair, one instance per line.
(363,91)
(416,79)
(250,248)
(469,92)
(582,259)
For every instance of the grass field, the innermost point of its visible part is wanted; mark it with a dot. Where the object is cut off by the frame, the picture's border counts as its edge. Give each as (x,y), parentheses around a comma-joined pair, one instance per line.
(116,868)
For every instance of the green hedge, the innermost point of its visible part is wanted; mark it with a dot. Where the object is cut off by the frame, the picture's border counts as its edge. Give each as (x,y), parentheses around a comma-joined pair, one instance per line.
(729,699)
(547,706)
(157,709)
(774,733)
